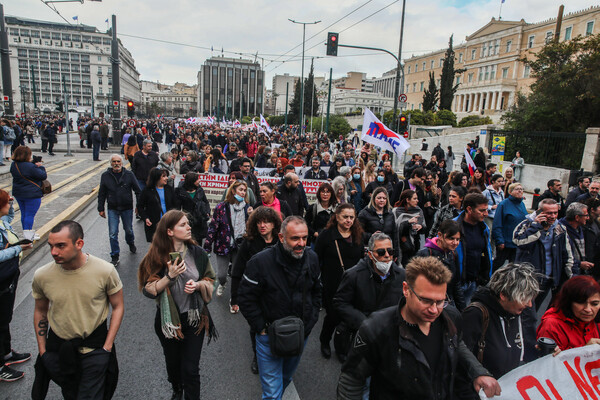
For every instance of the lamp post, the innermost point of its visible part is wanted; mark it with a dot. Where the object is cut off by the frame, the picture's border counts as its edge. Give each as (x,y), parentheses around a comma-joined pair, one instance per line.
(301,114)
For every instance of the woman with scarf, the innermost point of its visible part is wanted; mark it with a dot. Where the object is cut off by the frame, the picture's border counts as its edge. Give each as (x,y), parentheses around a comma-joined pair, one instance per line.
(182,288)
(268,199)
(262,231)
(155,200)
(410,224)
(356,189)
(319,213)
(227,229)
(237,176)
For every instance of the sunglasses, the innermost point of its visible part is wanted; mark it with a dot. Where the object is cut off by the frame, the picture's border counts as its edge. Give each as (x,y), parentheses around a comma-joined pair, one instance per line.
(381,252)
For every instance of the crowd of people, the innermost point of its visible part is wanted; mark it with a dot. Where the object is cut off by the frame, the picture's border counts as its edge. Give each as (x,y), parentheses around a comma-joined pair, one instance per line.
(432,281)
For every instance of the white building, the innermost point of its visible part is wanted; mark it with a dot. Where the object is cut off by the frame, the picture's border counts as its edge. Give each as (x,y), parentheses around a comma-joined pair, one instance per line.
(386,84)
(178,100)
(351,100)
(43,53)
(280,83)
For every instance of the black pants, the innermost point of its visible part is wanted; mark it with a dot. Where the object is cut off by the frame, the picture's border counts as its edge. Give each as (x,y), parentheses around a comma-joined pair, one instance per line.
(7,302)
(546,286)
(50,146)
(44,145)
(330,321)
(93,374)
(506,254)
(182,357)
(104,145)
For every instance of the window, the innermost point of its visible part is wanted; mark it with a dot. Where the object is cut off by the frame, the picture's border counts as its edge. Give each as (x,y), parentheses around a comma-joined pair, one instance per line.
(99,58)
(508,45)
(75,57)
(33,54)
(422,86)
(14,32)
(497,47)
(407,88)
(460,58)
(549,35)
(424,65)
(76,38)
(433,64)
(441,62)
(44,65)
(487,73)
(589,28)
(66,36)
(55,36)
(458,80)
(470,77)
(505,73)
(99,70)
(45,35)
(100,80)
(493,72)
(54,56)
(85,58)
(43,55)
(483,50)
(473,54)
(526,72)
(23,64)
(74,68)
(415,87)
(530,41)
(64,56)
(480,73)
(22,52)
(35,34)
(416,67)
(25,32)
(408,69)
(568,33)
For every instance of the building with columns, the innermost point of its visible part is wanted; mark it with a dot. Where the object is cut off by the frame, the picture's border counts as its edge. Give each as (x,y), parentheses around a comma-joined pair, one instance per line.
(490,56)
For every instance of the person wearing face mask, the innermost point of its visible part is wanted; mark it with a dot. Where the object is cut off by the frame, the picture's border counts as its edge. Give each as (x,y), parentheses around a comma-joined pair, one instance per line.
(372,284)
(356,188)
(380,181)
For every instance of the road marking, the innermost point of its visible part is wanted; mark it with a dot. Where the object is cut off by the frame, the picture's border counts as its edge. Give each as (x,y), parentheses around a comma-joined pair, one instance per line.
(291,393)
(54,168)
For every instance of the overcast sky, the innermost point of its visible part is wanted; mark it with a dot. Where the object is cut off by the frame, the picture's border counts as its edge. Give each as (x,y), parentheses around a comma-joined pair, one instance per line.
(250,26)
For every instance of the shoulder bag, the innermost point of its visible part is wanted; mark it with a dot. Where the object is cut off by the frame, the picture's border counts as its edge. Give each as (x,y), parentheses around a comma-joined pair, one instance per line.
(485,321)
(46,186)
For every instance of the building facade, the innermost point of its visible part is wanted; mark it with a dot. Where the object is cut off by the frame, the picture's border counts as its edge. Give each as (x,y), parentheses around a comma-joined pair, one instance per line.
(344,101)
(386,84)
(179,100)
(230,87)
(281,83)
(44,54)
(490,56)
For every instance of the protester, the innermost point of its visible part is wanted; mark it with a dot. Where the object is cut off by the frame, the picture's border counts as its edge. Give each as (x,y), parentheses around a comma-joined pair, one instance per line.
(592,193)
(410,223)
(572,321)
(339,247)
(155,200)
(319,213)
(583,184)
(116,185)
(183,287)
(281,281)
(143,161)
(291,192)
(268,199)
(96,143)
(379,182)
(27,187)
(591,232)
(553,193)
(73,295)
(495,196)
(451,210)
(238,176)
(226,230)
(377,216)
(509,213)
(192,199)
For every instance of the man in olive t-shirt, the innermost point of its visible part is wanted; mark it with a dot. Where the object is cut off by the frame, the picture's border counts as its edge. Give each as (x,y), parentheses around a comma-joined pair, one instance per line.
(72,297)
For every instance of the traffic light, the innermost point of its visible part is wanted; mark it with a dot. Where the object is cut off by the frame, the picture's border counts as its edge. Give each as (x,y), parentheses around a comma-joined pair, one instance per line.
(403,125)
(59,106)
(332,43)
(130,109)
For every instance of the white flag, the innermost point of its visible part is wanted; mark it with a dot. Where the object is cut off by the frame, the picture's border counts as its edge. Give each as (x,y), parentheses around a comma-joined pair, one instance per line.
(375,132)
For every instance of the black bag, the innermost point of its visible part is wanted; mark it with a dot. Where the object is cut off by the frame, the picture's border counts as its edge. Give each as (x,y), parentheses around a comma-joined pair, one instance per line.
(342,339)
(286,337)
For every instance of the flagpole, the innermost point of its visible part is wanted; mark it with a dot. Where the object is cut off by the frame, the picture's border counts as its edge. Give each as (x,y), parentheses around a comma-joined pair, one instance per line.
(500,13)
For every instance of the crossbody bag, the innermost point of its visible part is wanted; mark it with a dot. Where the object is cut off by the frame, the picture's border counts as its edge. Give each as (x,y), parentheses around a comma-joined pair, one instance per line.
(46,186)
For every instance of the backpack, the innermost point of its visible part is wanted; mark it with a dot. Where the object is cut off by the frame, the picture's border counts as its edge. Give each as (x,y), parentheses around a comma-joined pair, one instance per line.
(9,133)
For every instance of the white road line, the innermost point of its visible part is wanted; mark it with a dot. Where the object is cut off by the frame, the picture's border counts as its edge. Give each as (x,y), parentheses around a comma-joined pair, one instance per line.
(290,392)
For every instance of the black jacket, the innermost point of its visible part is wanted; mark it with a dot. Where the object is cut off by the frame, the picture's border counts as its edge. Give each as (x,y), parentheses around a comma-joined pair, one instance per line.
(385,350)
(371,223)
(316,221)
(273,285)
(117,191)
(362,292)
(503,345)
(252,182)
(198,209)
(142,164)
(320,174)
(189,166)
(247,249)
(149,207)
(371,188)
(329,259)
(558,198)
(402,186)
(293,198)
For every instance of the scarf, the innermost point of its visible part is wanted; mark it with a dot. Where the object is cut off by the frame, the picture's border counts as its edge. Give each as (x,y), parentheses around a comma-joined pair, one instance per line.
(321,208)
(276,205)
(238,220)
(198,315)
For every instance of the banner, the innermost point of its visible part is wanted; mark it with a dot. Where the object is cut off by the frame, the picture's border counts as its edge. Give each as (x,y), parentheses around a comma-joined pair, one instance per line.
(571,375)
(498,145)
(470,163)
(375,132)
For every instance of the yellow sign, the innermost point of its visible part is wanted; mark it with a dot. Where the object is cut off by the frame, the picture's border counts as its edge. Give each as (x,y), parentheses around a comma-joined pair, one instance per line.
(498,145)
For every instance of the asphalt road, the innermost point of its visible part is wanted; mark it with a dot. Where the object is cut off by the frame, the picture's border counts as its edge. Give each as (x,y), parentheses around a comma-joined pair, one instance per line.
(224,365)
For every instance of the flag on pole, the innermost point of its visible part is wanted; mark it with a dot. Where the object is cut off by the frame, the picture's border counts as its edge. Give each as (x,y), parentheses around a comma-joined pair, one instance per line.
(375,132)
(264,123)
(76,18)
(470,162)
(236,124)
(106,20)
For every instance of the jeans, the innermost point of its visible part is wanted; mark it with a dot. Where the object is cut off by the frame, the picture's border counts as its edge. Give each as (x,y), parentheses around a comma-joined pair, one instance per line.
(2,151)
(469,290)
(223,265)
(29,207)
(182,357)
(96,151)
(142,184)
(275,372)
(113,228)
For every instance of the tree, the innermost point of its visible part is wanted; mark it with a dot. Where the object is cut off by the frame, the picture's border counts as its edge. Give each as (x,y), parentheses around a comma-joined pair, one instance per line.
(338,126)
(564,96)
(474,120)
(447,86)
(446,117)
(310,91)
(431,94)
(294,112)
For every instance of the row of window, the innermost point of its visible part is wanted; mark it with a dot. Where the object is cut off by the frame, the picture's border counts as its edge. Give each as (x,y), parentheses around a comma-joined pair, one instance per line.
(55,55)
(75,37)
(492,48)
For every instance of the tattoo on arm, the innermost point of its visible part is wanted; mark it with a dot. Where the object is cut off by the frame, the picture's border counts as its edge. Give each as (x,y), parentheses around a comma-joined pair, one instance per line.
(43,327)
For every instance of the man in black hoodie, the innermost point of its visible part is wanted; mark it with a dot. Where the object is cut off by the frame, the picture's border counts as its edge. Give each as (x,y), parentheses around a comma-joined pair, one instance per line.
(509,339)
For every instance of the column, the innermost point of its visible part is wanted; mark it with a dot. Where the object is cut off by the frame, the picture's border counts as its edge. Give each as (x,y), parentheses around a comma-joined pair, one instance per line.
(472,102)
(480,101)
(511,99)
(462,103)
(493,103)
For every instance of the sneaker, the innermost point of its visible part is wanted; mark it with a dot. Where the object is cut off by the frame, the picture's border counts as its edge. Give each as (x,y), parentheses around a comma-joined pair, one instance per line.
(7,374)
(254,365)
(220,290)
(132,248)
(114,260)
(17,358)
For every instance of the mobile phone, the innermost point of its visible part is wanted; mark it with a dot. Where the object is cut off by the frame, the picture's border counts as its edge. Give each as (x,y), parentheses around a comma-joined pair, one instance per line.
(540,212)
(174,256)
(37,159)
(22,241)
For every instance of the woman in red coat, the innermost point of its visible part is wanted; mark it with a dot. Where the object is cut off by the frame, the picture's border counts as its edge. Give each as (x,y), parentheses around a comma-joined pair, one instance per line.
(572,321)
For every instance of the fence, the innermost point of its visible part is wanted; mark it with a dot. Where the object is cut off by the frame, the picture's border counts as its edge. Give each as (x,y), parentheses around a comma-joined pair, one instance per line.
(551,149)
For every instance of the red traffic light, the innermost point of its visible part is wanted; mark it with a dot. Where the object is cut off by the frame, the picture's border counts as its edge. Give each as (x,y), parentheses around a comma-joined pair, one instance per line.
(130,104)
(403,119)
(333,38)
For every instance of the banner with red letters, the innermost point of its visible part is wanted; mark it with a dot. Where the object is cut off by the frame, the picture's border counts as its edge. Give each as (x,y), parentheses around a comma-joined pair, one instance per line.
(571,375)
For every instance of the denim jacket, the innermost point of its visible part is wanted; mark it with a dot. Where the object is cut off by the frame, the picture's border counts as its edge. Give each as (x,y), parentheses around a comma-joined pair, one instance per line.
(10,252)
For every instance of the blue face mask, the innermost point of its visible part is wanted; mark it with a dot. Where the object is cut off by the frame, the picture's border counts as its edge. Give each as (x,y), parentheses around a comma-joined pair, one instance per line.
(356,176)
(238,197)
(380,179)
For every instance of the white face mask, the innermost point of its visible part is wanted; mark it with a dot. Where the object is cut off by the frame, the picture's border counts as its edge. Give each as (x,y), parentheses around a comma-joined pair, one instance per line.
(382,266)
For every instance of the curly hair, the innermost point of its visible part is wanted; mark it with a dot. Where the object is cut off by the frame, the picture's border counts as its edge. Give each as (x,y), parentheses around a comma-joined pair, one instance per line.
(262,214)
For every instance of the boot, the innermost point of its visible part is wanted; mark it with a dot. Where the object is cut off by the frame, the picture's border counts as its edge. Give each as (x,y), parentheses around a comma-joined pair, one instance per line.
(177,392)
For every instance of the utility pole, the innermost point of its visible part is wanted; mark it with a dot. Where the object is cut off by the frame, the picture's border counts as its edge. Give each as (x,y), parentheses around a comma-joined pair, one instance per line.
(287,89)
(398,83)
(116,83)
(66,108)
(33,88)
(312,95)
(328,101)
(301,114)
(5,58)
(92,101)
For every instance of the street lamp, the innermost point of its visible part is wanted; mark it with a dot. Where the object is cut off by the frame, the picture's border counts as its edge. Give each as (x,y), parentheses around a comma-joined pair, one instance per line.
(302,76)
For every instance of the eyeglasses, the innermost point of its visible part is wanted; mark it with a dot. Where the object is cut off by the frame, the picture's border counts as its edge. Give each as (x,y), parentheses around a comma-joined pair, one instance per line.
(428,302)
(381,252)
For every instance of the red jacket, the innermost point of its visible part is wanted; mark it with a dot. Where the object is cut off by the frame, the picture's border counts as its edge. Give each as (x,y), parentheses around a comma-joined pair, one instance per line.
(567,332)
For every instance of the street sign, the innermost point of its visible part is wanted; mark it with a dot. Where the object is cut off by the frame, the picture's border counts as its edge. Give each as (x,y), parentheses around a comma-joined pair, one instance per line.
(6,98)
(116,103)
(132,123)
(402,98)
(405,135)
(402,104)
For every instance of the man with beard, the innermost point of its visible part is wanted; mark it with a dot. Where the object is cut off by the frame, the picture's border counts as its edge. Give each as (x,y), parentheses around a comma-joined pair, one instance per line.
(280,282)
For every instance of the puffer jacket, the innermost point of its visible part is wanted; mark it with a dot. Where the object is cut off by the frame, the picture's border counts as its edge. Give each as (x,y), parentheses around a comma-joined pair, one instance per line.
(567,332)
(371,223)
(509,214)
(444,213)
(385,350)
(27,180)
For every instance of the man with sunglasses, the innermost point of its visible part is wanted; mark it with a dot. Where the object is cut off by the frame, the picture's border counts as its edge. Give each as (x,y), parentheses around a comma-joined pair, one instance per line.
(372,284)
(412,350)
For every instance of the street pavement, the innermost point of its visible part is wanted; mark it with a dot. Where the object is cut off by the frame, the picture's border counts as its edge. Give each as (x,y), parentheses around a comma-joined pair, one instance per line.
(224,365)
